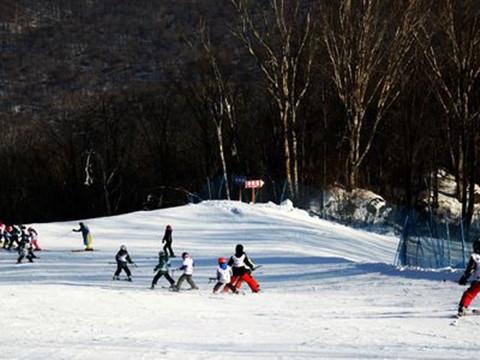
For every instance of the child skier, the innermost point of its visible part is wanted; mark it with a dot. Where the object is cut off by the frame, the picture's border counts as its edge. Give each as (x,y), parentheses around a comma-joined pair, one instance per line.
(32,233)
(167,239)
(87,236)
(187,267)
(123,258)
(25,251)
(242,268)
(224,276)
(472,272)
(15,233)
(7,237)
(2,231)
(162,270)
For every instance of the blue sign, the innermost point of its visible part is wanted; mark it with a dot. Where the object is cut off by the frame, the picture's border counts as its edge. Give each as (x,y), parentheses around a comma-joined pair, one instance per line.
(239,180)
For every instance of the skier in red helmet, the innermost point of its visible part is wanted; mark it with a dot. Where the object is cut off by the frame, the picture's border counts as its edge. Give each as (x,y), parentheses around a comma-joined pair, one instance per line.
(224,277)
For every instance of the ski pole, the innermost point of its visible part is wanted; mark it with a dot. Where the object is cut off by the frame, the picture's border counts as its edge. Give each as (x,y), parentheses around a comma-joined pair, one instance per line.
(62,235)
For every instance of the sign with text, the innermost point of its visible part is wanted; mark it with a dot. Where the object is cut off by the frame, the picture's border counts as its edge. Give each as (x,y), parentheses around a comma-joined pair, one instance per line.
(254,184)
(239,179)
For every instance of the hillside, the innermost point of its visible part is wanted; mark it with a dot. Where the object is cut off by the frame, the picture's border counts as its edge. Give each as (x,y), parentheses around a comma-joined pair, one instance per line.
(327,292)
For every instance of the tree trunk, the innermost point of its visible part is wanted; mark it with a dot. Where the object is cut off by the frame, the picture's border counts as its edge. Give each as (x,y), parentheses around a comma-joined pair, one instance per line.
(222,157)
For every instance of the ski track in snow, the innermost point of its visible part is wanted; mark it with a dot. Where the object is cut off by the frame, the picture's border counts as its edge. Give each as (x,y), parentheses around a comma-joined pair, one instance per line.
(328,292)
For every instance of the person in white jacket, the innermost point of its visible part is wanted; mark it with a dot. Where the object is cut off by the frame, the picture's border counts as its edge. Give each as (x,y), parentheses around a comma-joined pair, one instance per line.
(187,267)
(224,277)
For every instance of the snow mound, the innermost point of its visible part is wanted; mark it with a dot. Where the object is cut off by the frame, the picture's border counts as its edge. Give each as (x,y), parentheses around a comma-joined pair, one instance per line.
(214,227)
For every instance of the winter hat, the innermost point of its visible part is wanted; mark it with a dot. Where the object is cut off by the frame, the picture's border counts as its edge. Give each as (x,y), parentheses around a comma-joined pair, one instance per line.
(123,247)
(221,260)
(184,255)
(169,227)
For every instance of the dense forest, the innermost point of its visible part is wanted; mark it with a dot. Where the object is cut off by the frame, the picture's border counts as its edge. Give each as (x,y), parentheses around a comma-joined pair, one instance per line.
(103,102)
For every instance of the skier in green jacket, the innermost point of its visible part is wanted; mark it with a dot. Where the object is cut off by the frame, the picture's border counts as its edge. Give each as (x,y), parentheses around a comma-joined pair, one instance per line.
(162,270)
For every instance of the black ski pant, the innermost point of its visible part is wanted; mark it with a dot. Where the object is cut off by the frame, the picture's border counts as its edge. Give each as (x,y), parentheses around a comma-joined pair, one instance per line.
(189,279)
(159,274)
(167,248)
(122,266)
(219,285)
(22,256)
(13,239)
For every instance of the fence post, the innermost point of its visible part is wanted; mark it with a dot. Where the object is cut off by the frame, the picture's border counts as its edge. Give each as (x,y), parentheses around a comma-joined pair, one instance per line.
(463,243)
(401,256)
(449,249)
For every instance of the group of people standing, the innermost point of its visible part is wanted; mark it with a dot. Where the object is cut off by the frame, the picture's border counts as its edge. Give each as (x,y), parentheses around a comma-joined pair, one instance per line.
(20,238)
(229,276)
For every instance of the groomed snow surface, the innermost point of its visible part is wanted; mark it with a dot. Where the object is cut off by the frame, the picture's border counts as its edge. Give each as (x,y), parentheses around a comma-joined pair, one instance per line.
(328,292)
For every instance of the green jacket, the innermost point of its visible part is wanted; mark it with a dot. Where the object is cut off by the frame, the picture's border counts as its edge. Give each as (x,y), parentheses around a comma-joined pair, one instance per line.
(163,263)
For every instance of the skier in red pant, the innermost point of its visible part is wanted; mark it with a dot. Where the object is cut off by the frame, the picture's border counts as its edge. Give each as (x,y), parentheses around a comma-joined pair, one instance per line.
(472,272)
(242,268)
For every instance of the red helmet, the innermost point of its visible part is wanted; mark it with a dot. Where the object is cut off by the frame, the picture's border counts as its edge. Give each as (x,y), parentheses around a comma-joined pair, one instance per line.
(222,260)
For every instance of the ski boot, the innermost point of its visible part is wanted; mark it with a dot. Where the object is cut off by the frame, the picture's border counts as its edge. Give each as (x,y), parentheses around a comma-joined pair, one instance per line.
(116,277)
(462,311)
(129,279)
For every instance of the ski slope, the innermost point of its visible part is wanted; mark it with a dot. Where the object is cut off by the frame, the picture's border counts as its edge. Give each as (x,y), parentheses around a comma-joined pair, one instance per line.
(328,291)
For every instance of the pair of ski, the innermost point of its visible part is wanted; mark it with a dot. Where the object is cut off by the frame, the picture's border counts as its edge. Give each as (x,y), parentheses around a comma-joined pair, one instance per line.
(457,318)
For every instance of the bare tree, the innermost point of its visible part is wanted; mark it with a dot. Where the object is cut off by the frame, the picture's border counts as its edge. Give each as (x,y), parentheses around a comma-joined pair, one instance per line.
(368,44)
(213,97)
(281,43)
(451,46)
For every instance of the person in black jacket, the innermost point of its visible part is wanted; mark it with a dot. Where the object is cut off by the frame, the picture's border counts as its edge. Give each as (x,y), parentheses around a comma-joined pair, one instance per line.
(25,250)
(167,239)
(123,258)
(242,267)
(472,273)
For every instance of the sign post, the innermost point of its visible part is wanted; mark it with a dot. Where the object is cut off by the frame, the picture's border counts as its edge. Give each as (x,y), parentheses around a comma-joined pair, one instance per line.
(239,180)
(253,184)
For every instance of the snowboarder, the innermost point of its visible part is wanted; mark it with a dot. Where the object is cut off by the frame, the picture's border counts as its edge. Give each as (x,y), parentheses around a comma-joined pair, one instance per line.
(32,233)
(123,258)
(242,268)
(472,272)
(167,239)
(187,267)
(224,277)
(87,236)
(162,270)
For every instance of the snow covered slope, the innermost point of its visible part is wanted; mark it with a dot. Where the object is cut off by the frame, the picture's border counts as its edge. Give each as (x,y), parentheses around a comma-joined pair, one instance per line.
(327,292)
